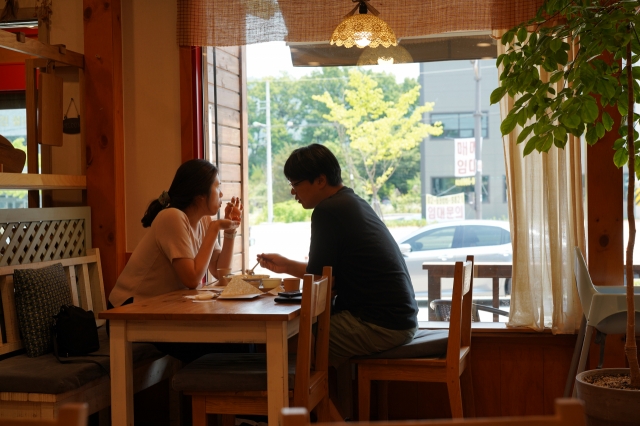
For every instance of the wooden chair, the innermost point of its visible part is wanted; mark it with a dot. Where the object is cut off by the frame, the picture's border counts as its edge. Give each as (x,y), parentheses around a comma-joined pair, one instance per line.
(424,360)
(569,412)
(73,414)
(231,384)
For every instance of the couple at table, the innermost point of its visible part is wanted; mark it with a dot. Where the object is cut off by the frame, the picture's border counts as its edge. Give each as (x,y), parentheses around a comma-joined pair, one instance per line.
(374,308)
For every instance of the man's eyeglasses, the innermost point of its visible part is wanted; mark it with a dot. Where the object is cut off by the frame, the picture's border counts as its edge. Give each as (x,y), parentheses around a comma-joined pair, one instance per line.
(294,184)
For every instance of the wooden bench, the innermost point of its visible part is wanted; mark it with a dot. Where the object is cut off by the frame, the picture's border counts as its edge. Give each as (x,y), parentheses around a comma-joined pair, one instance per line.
(35,238)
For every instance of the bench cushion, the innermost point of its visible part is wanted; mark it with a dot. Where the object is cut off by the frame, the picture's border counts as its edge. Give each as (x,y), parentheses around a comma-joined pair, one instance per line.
(227,372)
(46,375)
(39,295)
(425,344)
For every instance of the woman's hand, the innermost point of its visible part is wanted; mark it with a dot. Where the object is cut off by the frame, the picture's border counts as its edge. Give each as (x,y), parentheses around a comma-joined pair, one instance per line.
(233,209)
(223,225)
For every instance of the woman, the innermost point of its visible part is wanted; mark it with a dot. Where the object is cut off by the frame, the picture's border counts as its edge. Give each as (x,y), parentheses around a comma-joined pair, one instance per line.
(182,242)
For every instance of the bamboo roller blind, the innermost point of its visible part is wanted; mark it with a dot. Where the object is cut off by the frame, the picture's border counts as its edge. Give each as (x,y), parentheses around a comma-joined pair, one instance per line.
(241,22)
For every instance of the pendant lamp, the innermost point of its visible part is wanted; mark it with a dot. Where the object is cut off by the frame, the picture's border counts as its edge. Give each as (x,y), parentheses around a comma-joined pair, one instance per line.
(363,29)
(384,56)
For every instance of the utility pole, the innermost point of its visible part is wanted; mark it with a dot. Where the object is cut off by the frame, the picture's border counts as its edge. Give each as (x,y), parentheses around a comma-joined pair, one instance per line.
(478,136)
(267,127)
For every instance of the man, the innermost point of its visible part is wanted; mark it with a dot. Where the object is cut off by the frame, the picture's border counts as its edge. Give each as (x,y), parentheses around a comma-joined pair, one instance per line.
(375,307)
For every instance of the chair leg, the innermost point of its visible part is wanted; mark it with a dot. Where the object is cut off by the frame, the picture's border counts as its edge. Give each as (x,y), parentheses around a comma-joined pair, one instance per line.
(601,339)
(571,377)
(466,383)
(323,410)
(198,411)
(455,398)
(582,362)
(364,395)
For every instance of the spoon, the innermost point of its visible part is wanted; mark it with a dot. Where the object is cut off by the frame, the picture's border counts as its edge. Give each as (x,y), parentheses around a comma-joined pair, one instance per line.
(250,271)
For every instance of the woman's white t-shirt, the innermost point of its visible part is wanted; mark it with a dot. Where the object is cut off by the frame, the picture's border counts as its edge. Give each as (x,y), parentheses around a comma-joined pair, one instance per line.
(149,271)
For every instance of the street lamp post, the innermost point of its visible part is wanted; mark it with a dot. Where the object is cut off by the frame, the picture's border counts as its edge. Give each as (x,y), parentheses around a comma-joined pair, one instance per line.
(478,136)
(269,166)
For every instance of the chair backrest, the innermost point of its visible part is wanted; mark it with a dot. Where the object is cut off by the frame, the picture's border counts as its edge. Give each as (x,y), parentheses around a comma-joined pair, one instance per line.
(569,412)
(461,305)
(316,305)
(73,414)
(586,290)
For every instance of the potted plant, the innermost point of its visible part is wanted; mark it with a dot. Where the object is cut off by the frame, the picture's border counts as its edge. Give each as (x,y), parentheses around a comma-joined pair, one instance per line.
(605,33)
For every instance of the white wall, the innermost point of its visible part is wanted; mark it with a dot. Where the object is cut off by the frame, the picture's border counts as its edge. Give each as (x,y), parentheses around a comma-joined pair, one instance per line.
(151,80)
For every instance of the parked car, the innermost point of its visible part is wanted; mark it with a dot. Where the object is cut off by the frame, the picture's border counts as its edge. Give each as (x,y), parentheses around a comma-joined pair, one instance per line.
(487,240)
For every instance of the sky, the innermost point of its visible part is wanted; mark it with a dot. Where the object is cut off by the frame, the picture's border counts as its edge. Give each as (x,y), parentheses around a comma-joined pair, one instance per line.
(269,59)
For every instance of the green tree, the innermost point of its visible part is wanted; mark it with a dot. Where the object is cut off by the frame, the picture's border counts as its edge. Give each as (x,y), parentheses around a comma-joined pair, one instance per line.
(605,33)
(379,132)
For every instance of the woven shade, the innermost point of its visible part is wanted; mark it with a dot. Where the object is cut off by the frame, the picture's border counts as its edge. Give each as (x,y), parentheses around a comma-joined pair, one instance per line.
(384,56)
(240,22)
(367,27)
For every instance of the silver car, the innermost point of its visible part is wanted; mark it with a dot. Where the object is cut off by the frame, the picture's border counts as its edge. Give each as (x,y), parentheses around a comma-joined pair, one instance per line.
(487,240)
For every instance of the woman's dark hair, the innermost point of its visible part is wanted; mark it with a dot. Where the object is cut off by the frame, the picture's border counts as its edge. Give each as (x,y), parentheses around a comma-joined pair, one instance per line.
(193,178)
(311,161)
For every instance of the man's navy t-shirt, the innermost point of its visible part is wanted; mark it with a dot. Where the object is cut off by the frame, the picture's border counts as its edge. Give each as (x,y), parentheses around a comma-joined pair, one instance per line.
(371,278)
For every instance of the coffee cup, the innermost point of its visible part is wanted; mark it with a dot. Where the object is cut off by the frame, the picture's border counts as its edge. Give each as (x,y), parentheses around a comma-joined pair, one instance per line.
(291,284)
(222,275)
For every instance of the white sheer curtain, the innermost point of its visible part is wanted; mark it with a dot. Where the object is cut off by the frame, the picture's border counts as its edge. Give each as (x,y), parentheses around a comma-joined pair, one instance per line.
(547,222)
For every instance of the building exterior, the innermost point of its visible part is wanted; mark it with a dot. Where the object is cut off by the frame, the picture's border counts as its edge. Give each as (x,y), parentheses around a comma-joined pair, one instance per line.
(451,85)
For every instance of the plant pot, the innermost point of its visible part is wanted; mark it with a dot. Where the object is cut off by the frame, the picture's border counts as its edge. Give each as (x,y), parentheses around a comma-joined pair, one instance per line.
(605,406)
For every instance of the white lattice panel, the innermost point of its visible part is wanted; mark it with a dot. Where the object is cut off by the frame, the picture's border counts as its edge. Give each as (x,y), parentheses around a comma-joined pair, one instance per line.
(41,235)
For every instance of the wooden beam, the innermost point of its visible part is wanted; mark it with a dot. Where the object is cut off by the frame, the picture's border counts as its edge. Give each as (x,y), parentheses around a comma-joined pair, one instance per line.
(104,133)
(605,238)
(36,48)
(39,182)
(31,93)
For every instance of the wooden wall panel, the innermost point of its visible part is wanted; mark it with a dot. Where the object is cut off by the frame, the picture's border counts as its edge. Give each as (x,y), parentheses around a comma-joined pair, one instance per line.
(226,105)
(514,373)
(104,133)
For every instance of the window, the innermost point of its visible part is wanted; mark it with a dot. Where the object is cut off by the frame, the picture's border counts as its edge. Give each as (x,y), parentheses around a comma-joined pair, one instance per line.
(460,125)
(13,126)
(449,186)
(477,236)
(435,239)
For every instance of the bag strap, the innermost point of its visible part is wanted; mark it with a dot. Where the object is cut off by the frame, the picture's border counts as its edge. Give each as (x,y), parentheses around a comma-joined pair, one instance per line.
(75,361)
(69,107)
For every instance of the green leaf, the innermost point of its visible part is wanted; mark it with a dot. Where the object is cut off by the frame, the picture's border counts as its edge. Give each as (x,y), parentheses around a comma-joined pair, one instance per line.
(555,44)
(570,120)
(607,121)
(497,94)
(499,60)
(560,133)
(623,104)
(589,111)
(556,76)
(621,157)
(508,124)
(619,143)
(635,71)
(530,146)
(545,143)
(591,136)
(561,57)
(522,34)
(524,133)
(600,130)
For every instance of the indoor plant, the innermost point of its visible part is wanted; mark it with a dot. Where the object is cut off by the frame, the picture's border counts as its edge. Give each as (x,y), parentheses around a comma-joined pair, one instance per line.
(605,33)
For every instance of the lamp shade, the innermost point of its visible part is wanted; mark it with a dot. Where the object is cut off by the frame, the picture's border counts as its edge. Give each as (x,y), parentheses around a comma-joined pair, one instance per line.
(363,30)
(384,56)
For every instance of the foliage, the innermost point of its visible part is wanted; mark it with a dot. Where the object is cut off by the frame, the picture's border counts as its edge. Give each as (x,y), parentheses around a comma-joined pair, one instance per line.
(286,212)
(593,88)
(298,120)
(378,131)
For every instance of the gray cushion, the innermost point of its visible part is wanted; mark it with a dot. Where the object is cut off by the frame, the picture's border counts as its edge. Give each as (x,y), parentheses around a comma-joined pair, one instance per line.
(39,295)
(425,344)
(227,372)
(46,375)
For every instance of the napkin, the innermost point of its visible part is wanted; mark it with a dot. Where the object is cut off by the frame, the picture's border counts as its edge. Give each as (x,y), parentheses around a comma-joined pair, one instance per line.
(239,287)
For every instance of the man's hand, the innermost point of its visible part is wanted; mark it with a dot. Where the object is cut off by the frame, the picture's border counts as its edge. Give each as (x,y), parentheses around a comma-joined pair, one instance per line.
(274,262)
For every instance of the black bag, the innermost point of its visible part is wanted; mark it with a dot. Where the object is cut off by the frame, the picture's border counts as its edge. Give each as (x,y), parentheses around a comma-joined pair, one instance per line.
(71,126)
(74,332)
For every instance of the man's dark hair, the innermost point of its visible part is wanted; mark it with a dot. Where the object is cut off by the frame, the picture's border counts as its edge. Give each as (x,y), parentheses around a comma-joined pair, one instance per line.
(311,161)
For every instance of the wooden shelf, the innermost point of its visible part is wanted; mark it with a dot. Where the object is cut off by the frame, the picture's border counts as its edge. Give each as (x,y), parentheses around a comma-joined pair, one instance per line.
(32,181)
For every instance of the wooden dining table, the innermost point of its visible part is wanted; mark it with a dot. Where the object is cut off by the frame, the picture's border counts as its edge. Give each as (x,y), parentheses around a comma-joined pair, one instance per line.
(174,318)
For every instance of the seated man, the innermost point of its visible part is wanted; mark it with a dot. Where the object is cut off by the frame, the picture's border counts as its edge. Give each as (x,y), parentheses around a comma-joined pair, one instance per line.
(375,307)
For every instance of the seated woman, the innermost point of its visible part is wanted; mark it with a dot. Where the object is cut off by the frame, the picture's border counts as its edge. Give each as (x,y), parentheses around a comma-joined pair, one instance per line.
(181,245)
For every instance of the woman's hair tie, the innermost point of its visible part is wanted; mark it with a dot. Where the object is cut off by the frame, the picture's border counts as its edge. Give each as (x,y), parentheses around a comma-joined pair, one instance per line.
(164,199)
